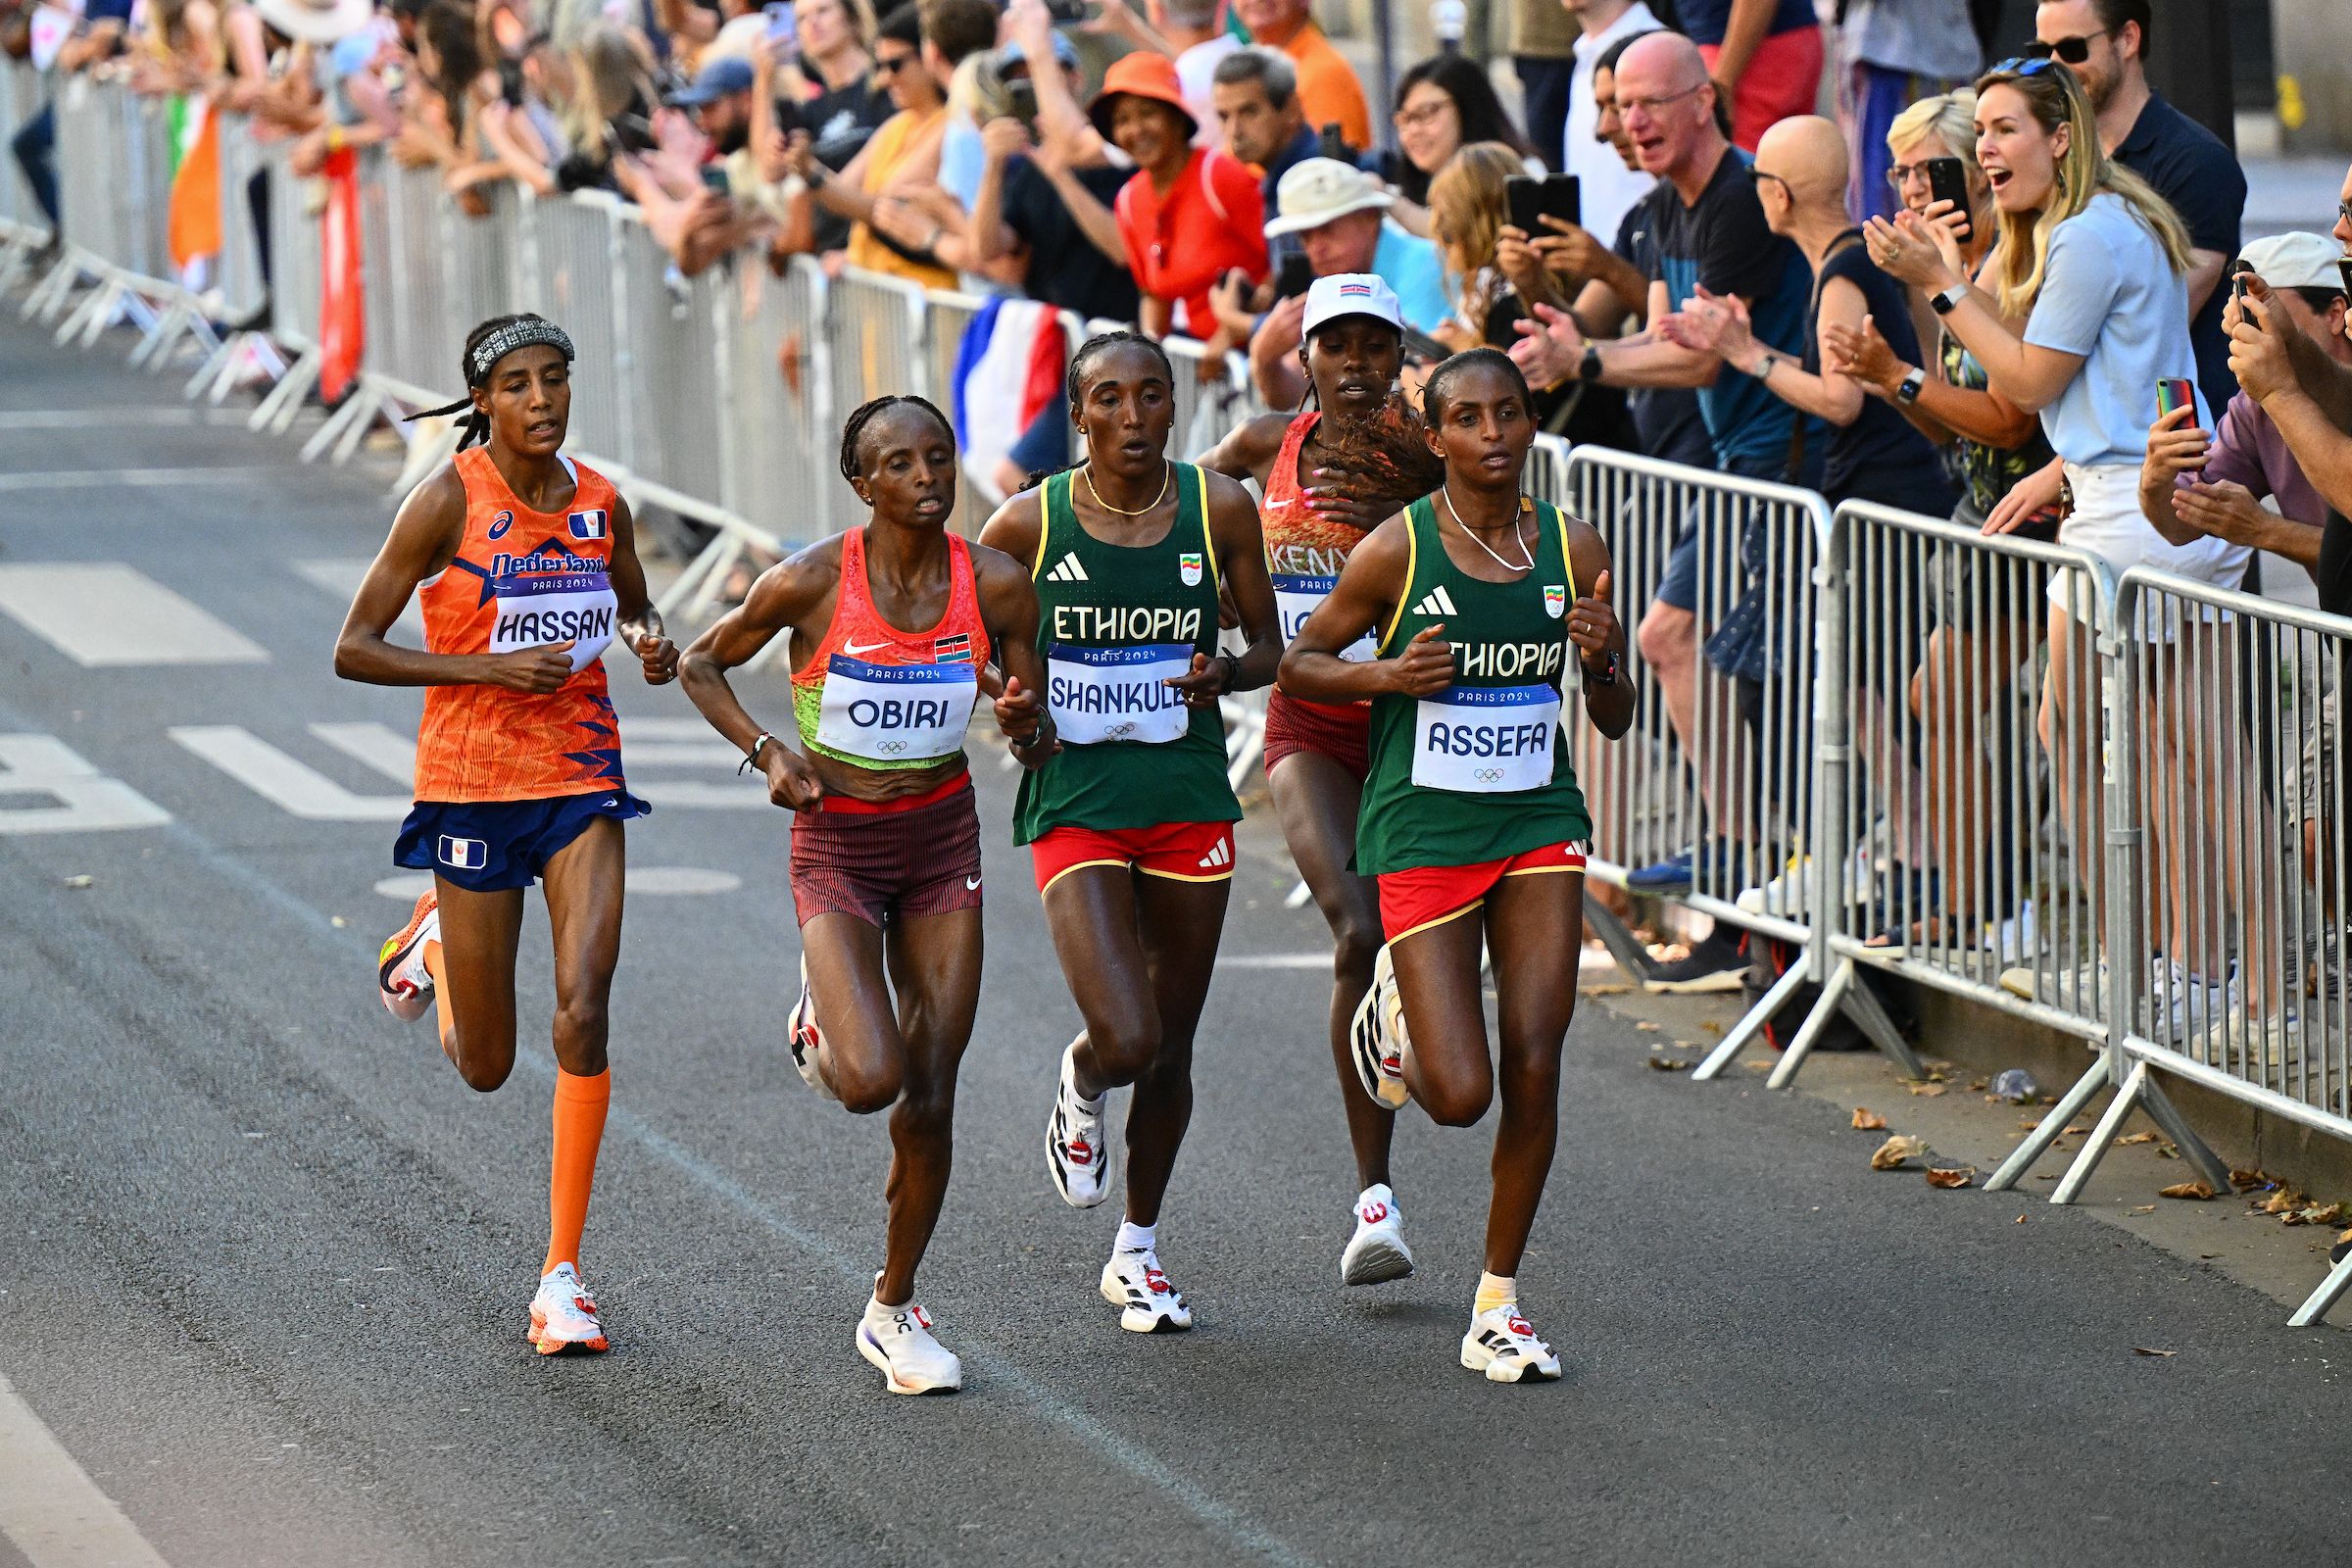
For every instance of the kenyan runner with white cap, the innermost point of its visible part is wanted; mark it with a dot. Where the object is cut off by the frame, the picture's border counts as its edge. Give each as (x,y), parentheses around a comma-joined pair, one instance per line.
(1472,820)
(893,624)
(1320,497)
(1130,823)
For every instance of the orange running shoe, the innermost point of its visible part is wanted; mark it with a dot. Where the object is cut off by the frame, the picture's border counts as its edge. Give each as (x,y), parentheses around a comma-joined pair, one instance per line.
(401,977)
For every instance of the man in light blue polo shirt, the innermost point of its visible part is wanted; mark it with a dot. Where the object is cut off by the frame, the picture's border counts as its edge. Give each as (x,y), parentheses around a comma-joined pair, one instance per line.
(1340,214)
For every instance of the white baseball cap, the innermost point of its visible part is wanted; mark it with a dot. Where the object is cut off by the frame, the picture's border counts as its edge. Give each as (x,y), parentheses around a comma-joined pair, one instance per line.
(2295,260)
(1350,294)
(1316,190)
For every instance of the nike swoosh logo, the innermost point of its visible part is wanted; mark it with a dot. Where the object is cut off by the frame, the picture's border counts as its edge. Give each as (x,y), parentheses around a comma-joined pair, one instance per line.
(854,649)
(972,884)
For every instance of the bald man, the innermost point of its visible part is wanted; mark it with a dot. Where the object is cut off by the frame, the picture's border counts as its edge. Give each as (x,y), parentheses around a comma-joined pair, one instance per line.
(1709,230)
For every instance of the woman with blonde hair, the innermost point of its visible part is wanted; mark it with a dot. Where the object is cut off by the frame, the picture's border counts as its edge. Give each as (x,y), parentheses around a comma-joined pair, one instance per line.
(2097,265)
(1498,279)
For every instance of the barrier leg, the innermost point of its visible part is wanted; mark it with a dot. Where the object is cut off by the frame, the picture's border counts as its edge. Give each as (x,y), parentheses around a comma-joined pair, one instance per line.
(1831,1002)
(358,431)
(1602,923)
(2103,1134)
(357,412)
(2315,1305)
(713,582)
(2037,1142)
(1862,1005)
(50,295)
(218,367)
(284,402)
(1748,1028)
(2194,1149)
(715,559)
(425,453)
(90,318)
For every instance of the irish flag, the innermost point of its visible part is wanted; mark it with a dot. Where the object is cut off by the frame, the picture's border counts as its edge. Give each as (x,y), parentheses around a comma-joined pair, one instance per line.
(194,228)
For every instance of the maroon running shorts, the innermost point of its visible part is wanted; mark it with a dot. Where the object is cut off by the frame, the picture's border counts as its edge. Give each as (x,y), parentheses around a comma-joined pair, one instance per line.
(885,865)
(1342,734)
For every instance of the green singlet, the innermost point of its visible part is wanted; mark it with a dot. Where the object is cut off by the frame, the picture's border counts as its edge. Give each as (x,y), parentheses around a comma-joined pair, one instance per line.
(1480,771)
(1115,622)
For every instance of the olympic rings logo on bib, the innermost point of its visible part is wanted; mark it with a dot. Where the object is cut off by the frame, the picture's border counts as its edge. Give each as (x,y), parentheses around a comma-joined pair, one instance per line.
(1488,776)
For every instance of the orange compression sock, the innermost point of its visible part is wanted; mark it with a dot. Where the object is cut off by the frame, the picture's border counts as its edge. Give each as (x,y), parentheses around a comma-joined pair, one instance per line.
(580,1106)
(442,1008)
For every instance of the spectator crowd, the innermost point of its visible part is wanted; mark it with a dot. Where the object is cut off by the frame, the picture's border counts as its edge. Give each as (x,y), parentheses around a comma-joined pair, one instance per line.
(1954,292)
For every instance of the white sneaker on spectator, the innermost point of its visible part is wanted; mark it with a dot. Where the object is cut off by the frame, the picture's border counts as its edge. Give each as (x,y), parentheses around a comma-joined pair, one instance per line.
(2080,990)
(1503,1345)
(1148,1303)
(2184,1006)
(1377,1250)
(1789,894)
(2273,1041)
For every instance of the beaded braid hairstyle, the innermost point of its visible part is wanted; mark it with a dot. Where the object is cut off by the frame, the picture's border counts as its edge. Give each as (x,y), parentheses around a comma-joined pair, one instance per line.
(1082,366)
(854,431)
(487,344)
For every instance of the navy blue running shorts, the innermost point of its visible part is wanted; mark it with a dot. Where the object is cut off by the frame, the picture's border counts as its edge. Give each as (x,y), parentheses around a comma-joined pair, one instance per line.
(489,846)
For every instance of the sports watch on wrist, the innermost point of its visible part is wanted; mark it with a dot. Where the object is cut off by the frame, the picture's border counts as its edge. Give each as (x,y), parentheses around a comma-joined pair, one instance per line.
(1588,369)
(1942,302)
(1907,392)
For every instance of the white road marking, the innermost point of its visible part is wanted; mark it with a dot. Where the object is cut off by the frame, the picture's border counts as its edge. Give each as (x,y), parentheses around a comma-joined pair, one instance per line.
(140,479)
(379,746)
(283,781)
(1275,961)
(86,801)
(646,881)
(50,1509)
(107,614)
(134,415)
(340,576)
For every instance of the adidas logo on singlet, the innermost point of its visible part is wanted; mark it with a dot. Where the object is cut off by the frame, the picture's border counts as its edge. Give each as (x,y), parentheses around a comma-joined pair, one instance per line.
(1068,569)
(1436,601)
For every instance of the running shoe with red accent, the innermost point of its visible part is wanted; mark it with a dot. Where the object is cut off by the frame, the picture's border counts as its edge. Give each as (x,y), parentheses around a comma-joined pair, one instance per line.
(402,980)
(1503,1345)
(563,1317)
(802,1034)
(1077,1150)
(1148,1303)
(1377,1039)
(898,1342)
(1377,1251)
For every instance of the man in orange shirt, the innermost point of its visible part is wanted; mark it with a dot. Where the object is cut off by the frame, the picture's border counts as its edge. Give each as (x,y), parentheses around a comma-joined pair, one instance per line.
(1327,84)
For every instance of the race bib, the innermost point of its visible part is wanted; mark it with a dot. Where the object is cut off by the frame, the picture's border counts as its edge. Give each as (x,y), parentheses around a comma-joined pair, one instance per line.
(1117,694)
(895,713)
(1486,740)
(574,607)
(1296,598)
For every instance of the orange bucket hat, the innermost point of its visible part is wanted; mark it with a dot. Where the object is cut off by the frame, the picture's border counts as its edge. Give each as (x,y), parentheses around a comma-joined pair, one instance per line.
(1144,73)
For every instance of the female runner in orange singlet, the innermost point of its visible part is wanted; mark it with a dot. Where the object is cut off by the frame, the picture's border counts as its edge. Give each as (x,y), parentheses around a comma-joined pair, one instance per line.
(524,564)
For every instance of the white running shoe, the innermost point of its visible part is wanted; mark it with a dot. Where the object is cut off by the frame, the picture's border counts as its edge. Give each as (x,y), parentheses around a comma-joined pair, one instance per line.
(1503,1345)
(806,1040)
(1377,1038)
(1377,1251)
(1077,1152)
(1148,1303)
(563,1317)
(402,980)
(898,1341)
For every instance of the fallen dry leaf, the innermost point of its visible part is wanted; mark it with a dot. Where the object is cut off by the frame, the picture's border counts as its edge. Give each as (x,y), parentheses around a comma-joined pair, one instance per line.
(2285,1201)
(2167,1151)
(1895,1151)
(2143,1209)
(1710,1026)
(2245,1179)
(1867,1120)
(2076,1131)
(1645,1025)
(1668,1064)
(1979,1085)
(1607,988)
(2021,1219)
(1950,1176)
(2197,1190)
(1926,1091)
(2135,1138)
(2344,1236)
(2316,1214)
(2029,1123)
(2141,1349)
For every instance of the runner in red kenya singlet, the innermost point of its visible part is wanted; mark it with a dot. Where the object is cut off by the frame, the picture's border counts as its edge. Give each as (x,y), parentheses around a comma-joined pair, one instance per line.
(891,628)
(1351,346)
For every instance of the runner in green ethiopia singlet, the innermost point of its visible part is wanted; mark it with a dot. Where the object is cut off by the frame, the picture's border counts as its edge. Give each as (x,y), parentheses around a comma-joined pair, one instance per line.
(1481,770)
(1116,622)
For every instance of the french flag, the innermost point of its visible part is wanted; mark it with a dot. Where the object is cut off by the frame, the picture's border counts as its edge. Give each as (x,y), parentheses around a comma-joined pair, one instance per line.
(1008,369)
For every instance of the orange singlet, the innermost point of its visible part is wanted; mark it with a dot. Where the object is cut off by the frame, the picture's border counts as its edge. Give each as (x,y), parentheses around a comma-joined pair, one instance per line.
(521,579)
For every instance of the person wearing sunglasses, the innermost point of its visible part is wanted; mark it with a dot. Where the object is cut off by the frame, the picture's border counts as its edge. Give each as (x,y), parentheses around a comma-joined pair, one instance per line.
(2105,43)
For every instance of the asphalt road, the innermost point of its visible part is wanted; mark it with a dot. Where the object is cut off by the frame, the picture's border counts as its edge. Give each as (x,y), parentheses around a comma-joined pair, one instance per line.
(264,1258)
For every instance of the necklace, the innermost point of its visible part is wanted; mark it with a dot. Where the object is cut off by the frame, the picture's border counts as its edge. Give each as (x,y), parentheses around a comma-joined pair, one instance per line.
(1168,478)
(1529,565)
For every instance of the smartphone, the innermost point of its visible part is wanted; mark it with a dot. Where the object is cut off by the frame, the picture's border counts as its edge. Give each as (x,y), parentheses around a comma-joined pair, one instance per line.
(789,117)
(1947,182)
(2343,269)
(1066,10)
(715,178)
(1330,144)
(1022,94)
(2237,286)
(1557,196)
(2172,392)
(1294,275)
(779,22)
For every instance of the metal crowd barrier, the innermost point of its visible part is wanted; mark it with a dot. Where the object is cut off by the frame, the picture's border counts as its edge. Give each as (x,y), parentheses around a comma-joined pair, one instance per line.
(23,224)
